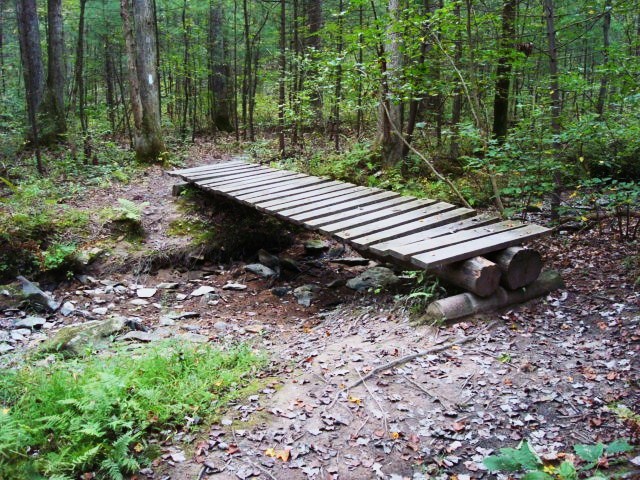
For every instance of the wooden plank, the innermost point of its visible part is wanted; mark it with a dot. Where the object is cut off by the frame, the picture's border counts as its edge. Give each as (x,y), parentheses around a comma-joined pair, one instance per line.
(269,185)
(221,172)
(450,225)
(356,219)
(479,246)
(413,227)
(201,168)
(242,178)
(311,193)
(252,180)
(399,221)
(245,173)
(361,197)
(405,251)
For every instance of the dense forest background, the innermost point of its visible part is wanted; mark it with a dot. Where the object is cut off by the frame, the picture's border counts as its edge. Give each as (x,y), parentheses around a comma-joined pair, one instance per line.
(518,104)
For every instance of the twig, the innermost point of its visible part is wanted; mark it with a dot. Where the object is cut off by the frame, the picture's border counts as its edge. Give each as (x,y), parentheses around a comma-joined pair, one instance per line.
(361,427)
(375,399)
(437,398)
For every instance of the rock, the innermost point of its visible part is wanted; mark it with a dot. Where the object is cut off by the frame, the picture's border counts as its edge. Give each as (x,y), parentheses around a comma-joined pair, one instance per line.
(100,310)
(316,246)
(34,323)
(193,337)
(67,308)
(168,285)
(280,291)
(166,322)
(86,257)
(234,286)
(338,282)
(80,338)
(139,302)
(20,334)
(146,292)
(5,348)
(305,294)
(86,279)
(4,336)
(376,277)
(290,264)
(260,270)
(202,290)
(181,315)
(191,328)
(37,297)
(221,326)
(336,251)
(181,296)
(139,336)
(268,260)
(351,261)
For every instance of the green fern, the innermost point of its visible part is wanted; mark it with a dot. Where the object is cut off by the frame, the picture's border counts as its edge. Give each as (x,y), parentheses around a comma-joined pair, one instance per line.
(130,211)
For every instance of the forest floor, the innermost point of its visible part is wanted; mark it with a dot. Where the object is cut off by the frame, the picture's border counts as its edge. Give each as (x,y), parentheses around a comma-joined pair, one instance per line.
(549,371)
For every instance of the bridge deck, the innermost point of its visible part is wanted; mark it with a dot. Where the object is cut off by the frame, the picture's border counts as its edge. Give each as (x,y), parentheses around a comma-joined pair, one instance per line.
(425,233)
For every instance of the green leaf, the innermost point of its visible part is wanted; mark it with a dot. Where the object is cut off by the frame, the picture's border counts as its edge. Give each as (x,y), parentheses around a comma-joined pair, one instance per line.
(567,471)
(514,459)
(589,453)
(618,446)
(537,475)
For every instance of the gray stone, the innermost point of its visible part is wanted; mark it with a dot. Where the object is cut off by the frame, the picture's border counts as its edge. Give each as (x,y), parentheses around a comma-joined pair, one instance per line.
(167,322)
(190,328)
(67,309)
(139,336)
(168,285)
(181,296)
(77,339)
(181,315)
(221,326)
(280,291)
(305,294)
(34,323)
(268,260)
(4,336)
(202,290)
(288,263)
(234,286)
(146,292)
(100,310)
(36,297)
(20,333)
(316,246)
(5,347)
(86,257)
(194,337)
(260,270)
(139,302)
(376,277)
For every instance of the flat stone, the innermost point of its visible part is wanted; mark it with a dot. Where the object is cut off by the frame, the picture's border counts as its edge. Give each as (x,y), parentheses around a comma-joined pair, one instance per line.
(4,336)
(254,328)
(202,290)
(376,277)
(37,297)
(146,292)
(167,322)
(316,245)
(140,302)
(24,332)
(194,337)
(100,310)
(260,270)
(181,315)
(30,322)
(305,294)
(5,347)
(168,285)
(280,291)
(181,296)
(139,336)
(67,309)
(234,286)
(221,326)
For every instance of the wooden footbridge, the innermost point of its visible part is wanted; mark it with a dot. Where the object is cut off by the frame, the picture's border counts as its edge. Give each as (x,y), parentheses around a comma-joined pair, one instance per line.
(427,234)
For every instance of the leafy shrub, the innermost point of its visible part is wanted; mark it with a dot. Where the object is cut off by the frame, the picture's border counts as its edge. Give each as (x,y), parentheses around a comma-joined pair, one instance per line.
(92,414)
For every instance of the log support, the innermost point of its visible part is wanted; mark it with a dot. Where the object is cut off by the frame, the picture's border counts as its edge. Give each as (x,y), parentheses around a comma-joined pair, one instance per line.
(477,275)
(520,266)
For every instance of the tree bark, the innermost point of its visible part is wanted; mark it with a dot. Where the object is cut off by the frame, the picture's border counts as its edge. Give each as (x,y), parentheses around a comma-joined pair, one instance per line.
(54,122)
(338,83)
(477,275)
(606,29)
(556,105)
(282,79)
(219,72)
(520,266)
(32,68)
(3,82)
(390,111)
(140,41)
(503,72)
(79,86)
(313,43)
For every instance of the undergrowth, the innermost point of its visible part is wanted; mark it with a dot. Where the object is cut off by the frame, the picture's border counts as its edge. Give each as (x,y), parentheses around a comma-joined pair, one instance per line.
(96,414)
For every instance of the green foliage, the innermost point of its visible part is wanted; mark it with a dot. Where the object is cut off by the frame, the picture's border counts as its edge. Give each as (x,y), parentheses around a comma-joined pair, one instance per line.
(425,290)
(57,255)
(129,211)
(94,414)
(524,459)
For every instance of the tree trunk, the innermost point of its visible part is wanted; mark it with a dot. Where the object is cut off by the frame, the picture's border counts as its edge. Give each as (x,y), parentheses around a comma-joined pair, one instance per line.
(186,74)
(456,108)
(606,28)
(556,106)
(282,78)
(141,49)
(390,111)
(313,43)
(31,57)
(3,83)
(503,72)
(477,275)
(219,72)
(79,86)
(520,266)
(338,84)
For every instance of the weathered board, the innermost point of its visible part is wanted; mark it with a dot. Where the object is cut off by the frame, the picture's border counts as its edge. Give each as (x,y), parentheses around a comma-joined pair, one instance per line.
(425,233)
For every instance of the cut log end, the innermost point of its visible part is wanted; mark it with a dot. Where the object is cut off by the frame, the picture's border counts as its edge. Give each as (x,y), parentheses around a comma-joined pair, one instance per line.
(477,275)
(520,266)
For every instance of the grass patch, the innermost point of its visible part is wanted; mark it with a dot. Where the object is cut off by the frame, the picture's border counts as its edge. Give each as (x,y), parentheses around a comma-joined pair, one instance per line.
(95,414)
